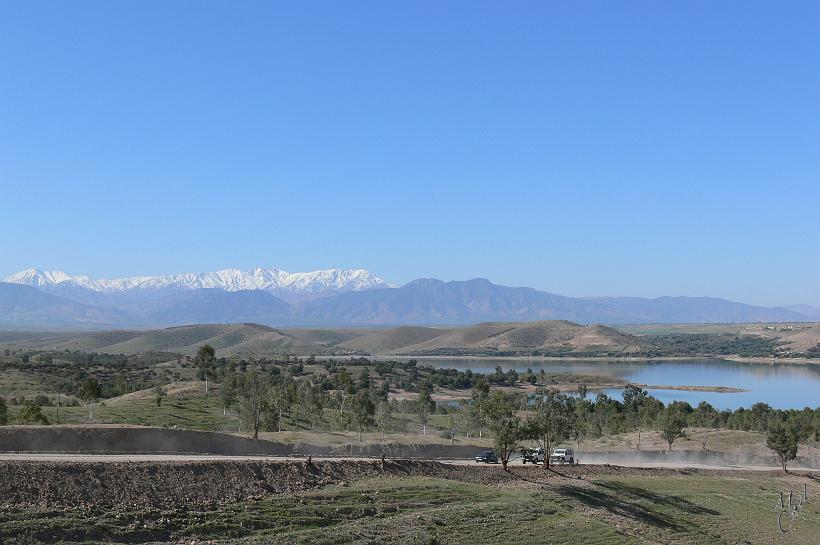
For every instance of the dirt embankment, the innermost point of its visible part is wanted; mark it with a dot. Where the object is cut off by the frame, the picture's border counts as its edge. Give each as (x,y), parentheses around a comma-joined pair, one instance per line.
(190,484)
(144,440)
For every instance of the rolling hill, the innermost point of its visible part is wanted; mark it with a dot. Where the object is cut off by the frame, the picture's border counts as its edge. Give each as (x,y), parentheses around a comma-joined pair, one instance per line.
(253,340)
(507,337)
(388,341)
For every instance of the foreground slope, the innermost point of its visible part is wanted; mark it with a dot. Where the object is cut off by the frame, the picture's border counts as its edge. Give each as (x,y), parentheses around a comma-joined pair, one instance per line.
(398,501)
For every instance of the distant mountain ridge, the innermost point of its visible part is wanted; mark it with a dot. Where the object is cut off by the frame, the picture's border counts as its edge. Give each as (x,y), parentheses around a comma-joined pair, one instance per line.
(227,279)
(335,298)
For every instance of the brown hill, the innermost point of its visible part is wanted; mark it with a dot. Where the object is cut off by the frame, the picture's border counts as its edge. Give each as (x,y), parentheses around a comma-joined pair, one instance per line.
(386,341)
(500,337)
(248,340)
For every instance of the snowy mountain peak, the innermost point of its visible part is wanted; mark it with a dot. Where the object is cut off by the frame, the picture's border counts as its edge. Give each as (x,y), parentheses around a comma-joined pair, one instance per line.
(258,278)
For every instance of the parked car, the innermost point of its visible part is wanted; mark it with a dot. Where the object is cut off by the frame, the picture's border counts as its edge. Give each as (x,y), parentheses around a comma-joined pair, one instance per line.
(533,455)
(563,456)
(487,457)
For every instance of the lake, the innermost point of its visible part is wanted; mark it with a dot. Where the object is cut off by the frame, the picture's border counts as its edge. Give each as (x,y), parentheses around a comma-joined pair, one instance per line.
(781,385)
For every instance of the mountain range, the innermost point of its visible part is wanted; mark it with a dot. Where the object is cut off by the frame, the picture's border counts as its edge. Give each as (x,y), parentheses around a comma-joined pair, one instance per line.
(53,299)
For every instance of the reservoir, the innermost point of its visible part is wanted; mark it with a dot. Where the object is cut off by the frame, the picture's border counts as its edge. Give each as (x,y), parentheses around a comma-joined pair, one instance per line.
(782,386)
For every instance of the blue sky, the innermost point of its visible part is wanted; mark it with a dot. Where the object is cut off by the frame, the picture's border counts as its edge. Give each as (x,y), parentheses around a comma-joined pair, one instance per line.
(584,148)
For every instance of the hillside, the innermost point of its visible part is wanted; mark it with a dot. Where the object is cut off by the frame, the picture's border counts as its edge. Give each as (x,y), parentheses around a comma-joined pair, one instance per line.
(387,341)
(549,337)
(187,339)
(248,340)
(541,338)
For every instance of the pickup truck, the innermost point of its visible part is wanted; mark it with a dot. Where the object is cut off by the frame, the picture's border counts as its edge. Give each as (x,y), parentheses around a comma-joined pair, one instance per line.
(533,455)
(487,457)
(562,456)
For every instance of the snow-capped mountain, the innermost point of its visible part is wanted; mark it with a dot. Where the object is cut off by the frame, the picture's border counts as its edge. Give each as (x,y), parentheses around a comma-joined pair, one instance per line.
(331,298)
(276,280)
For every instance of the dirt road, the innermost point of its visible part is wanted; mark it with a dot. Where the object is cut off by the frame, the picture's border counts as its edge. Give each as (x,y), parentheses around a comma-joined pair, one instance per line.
(119,458)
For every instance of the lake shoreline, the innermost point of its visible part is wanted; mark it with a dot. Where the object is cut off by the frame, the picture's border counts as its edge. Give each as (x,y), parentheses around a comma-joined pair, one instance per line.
(453,394)
(604,359)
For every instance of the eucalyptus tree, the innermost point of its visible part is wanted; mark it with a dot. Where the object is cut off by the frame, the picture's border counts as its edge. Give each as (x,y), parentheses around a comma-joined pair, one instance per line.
(381,416)
(480,394)
(205,358)
(361,410)
(89,392)
(673,427)
(508,430)
(553,420)
(229,393)
(253,390)
(783,442)
(425,404)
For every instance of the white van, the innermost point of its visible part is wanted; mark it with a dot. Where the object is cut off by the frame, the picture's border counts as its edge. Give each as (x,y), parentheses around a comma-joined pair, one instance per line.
(563,456)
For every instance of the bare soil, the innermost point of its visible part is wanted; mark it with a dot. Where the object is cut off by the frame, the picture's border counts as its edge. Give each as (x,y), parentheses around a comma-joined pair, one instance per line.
(172,484)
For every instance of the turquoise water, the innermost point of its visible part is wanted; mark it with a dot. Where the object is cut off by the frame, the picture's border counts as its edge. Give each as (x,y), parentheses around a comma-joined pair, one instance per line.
(782,386)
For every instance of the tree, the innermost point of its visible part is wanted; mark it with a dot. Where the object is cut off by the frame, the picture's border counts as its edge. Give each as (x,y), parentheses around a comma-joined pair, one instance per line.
(506,427)
(120,385)
(277,402)
(205,357)
(553,422)
(480,395)
(310,405)
(89,392)
(361,409)
(459,419)
(382,415)
(253,391)
(582,391)
(343,384)
(229,393)
(673,427)
(159,393)
(4,412)
(31,413)
(783,443)
(425,404)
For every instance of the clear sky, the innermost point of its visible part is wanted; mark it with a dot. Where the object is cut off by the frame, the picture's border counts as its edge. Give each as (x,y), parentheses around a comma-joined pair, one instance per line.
(584,148)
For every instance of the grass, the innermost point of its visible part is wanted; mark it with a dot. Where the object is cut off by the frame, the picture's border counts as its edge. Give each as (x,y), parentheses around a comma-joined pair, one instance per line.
(682,510)
(702,509)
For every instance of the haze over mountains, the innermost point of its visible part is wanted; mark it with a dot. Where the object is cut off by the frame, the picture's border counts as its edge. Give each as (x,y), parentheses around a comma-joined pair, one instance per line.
(54,299)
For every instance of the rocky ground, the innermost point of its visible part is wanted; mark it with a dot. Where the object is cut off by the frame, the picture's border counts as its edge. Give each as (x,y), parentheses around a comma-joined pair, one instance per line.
(168,484)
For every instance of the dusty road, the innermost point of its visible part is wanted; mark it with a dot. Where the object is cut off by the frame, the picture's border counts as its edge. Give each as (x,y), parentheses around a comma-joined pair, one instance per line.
(74,457)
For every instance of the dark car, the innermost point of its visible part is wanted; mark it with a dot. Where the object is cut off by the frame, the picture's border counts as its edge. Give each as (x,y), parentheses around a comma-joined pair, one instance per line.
(532,455)
(486,456)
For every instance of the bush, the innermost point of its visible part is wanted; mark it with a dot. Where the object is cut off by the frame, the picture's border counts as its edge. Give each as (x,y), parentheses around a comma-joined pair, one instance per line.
(42,401)
(32,414)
